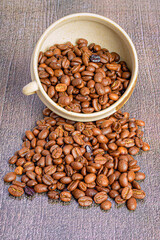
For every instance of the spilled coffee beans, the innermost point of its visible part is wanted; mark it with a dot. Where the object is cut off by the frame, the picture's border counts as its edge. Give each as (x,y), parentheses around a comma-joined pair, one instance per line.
(89,161)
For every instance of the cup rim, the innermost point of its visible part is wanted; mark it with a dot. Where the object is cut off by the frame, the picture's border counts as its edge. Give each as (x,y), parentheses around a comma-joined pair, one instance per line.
(111,107)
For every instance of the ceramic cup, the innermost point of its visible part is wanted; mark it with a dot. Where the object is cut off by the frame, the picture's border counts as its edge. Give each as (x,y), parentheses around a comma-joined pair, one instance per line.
(94,28)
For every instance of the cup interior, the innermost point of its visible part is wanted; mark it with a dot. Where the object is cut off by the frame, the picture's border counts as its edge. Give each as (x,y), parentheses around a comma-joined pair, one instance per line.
(96,29)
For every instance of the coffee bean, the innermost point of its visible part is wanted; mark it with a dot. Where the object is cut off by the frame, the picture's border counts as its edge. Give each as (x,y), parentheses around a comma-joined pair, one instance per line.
(123,180)
(132,204)
(22,152)
(73,185)
(53,195)
(76,165)
(9,177)
(139,176)
(90,192)
(119,200)
(43,134)
(19,184)
(122,165)
(133,150)
(126,193)
(31,183)
(18,170)
(65,196)
(102,180)
(29,191)
(90,178)
(145,147)
(13,159)
(85,201)
(24,179)
(29,135)
(40,188)
(78,193)
(82,186)
(15,191)
(100,197)
(31,175)
(58,175)
(95,58)
(115,186)
(47,179)
(136,185)
(139,194)
(113,193)
(106,205)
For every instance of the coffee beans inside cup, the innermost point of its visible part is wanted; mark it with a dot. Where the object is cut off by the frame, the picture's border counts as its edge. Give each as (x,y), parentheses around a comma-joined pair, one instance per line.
(90,161)
(82,78)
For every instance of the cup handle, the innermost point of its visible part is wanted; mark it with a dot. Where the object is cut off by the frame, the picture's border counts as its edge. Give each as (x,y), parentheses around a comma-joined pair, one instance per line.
(30,88)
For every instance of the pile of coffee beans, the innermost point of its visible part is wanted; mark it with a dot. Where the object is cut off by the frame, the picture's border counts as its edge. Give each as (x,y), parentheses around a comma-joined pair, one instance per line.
(82,78)
(89,161)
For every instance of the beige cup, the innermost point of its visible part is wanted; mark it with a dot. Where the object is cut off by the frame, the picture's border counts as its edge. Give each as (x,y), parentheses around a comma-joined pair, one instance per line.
(94,28)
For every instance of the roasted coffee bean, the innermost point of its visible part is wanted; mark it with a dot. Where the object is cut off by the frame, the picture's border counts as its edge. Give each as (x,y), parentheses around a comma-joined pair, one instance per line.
(123,180)
(49,170)
(100,197)
(85,201)
(102,180)
(19,184)
(58,175)
(115,186)
(119,200)
(113,193)
(95,58)
(82,186)
(90,192)
(136,185)
(43,134)
(15,191)
(29,191)
(18,170)
(73,185)
(65,196)
(31,183)
(29,135)
(66,180)
(139,176)
(145,147)
(106,205)
(40,188)
(139,194)
(31,175)
(47,179)
(9,177)
(13,159)
(53,195)
(132,204)
(122,165)
(126,193)
(24,179)
(131,176)
(57,152)
(77,176)
(103,189)
(78,193)
(133,150)
(76,165)
(89,178)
